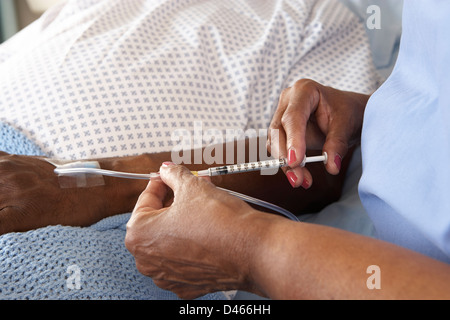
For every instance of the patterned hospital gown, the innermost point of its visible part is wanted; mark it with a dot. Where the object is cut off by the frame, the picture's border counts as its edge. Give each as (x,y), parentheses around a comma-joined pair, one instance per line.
(102,78)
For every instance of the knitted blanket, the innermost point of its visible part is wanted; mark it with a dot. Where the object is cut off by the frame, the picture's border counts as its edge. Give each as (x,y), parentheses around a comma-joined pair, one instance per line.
(60,262)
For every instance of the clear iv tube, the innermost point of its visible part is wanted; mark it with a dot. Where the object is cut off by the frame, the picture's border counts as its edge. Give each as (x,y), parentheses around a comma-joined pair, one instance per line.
(262,203)
(117,174)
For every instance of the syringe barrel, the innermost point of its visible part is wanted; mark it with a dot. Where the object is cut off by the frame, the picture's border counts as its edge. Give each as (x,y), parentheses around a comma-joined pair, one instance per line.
(247,167)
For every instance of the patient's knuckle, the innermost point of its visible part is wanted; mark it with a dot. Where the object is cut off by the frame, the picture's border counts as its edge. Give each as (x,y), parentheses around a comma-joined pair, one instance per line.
(6,165)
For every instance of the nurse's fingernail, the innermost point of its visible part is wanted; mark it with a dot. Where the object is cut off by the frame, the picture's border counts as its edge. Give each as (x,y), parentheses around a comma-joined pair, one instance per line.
(168,164)
(291,156)
(305,184)
(338,161)
(292,178)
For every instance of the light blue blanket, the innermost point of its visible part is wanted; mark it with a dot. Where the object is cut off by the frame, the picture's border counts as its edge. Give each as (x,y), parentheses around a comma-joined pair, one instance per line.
(71,263)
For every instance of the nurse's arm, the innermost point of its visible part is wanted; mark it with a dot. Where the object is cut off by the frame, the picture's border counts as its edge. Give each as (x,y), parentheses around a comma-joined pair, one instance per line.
(299,260)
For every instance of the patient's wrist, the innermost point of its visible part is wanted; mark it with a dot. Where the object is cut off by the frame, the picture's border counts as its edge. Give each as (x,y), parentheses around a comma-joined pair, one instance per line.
(122,194)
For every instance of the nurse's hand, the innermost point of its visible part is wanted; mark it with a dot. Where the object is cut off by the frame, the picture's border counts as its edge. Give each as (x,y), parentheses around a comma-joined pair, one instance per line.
(312,116)
(200,244)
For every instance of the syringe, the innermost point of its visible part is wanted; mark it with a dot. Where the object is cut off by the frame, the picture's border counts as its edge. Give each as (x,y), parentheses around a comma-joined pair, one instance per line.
(257,166)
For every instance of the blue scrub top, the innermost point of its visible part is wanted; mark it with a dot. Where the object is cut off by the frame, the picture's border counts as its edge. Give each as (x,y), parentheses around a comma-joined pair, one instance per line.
(405,186)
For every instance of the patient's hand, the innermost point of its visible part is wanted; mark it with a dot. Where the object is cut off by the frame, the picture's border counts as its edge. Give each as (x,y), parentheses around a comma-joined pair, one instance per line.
(31,197)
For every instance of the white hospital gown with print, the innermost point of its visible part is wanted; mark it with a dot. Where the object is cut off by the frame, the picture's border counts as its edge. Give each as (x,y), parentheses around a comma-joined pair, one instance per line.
(103,78)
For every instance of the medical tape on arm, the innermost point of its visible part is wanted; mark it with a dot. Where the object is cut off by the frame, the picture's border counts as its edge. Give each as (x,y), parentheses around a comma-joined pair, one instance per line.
(77,180)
